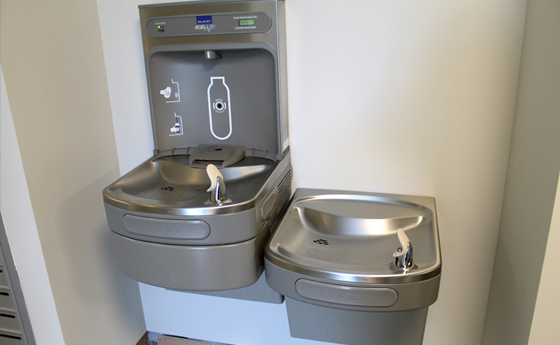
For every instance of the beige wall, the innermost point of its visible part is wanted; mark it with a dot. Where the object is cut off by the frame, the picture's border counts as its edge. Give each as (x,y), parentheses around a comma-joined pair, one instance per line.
(531,182)
(52,59)
(545,330)
(411,97)
(21,229)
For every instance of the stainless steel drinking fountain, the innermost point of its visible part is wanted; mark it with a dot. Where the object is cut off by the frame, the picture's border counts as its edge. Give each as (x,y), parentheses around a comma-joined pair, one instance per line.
(356,268)
(197,214)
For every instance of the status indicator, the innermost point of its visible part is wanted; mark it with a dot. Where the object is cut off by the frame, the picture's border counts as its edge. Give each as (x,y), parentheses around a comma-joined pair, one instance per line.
(246,22)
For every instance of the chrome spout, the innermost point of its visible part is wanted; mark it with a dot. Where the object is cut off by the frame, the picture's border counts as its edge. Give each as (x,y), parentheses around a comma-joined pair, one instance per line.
(211,55)
(217,185)
(218,194)
(403,255)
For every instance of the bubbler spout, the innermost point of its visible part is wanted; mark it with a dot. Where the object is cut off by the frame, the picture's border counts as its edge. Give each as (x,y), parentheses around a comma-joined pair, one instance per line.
(403,255)
(211,55)
(217,187)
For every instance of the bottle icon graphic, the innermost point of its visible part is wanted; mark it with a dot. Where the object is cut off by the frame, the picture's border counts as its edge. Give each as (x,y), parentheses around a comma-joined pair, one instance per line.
(219,108)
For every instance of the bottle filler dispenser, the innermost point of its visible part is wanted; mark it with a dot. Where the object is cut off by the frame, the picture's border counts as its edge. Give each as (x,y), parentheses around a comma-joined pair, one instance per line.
(197,214)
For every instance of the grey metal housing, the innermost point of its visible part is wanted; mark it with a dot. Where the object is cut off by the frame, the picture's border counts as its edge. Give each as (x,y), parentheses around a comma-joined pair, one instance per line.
(166,249)
(216,75)
(355,271)
(309,321)
(333,258)
(15,325)
(253,65)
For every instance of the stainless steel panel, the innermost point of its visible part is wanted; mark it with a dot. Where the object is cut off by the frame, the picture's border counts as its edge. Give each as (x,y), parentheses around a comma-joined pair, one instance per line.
(184,9)
(236,23)
(351,237)
(271,40)
(412,295)
(355,328)
(195,268)
(158,211)
(168,185)
(268,204)
(167,228)
(348,295)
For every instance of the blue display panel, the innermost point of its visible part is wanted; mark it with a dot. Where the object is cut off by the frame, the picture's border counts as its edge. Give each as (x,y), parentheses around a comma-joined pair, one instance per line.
(204,19)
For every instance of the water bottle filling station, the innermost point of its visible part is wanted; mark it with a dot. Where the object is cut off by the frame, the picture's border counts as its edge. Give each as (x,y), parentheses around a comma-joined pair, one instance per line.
(355,267)
(197,214)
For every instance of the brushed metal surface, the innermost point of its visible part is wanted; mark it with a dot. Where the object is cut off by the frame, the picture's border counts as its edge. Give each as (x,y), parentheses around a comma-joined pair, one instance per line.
(167,228)
(169,185)
(349,295)
(351,237)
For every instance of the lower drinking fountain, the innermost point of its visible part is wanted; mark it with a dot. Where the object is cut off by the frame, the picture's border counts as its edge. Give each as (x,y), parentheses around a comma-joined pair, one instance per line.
(356,268)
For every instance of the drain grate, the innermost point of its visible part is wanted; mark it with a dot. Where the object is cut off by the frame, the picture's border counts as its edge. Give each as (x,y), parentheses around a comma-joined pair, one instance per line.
(321,242)
(168,189)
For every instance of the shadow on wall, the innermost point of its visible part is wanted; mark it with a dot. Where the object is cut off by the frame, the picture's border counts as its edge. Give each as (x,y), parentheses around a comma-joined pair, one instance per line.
(85,251)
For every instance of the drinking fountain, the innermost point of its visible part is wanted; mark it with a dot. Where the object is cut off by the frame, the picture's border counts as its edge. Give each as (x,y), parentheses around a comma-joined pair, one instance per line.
(346,265)
(354,267)
(196,215)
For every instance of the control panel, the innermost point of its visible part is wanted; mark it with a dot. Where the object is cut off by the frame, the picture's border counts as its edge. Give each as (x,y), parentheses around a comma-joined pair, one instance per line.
(232,23)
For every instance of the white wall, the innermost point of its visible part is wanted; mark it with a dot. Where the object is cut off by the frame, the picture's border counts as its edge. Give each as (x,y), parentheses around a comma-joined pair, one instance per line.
(53,67)
(22,232)
(398,97)
(126,77)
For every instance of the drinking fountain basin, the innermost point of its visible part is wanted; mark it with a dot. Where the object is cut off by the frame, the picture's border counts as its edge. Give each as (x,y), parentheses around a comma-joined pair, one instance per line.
(169,185)
(339,249)
(167,232)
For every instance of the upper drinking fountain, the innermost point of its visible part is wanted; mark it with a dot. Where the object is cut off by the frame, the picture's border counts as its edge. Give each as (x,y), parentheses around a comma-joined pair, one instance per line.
(216,74)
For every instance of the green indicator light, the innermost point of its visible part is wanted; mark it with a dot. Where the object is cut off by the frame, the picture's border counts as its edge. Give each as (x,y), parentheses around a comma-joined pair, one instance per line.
(246,22)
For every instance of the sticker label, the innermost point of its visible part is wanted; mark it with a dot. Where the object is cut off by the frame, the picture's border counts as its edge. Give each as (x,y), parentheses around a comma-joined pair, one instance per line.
(204,20)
